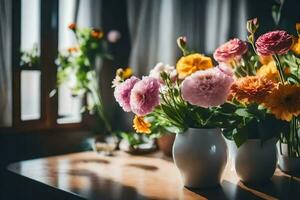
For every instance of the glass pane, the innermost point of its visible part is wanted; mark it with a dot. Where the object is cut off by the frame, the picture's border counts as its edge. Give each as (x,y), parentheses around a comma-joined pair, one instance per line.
(66,37)
(30,94)
(30,24)
(68,106)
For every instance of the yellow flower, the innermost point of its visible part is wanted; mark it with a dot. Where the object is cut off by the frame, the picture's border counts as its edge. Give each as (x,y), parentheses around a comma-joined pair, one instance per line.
(296,45)
(187,65)
(140,125)
(284,102)
(265,59)
(127,73)
(269,71)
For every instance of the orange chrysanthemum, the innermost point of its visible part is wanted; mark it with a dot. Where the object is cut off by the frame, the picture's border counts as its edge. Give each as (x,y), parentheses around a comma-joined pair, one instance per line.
(140,125)
(251,89)
(97,34)
(284,102)
(187,65)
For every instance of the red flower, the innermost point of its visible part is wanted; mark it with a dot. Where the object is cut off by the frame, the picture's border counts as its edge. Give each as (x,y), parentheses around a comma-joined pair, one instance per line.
(274,42)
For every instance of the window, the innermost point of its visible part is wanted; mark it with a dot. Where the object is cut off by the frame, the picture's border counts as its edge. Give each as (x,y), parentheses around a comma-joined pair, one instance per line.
(35,48)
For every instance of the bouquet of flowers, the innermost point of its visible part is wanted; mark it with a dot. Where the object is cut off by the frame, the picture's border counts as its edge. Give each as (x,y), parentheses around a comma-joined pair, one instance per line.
(77,66)
(253,93)
(169,99)
(266,87)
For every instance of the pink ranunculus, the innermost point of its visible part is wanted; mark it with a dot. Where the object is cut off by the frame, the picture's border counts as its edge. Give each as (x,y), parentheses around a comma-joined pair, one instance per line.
(274,42)
(160,67)
(233,49)
(207,88)
(122,93)
(145,96)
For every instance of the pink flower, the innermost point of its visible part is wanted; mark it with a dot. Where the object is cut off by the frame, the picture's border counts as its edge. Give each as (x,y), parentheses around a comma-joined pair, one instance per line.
(225,69)
(122,93)
(113,36)
(233,49)
(145,96)
(160,67)
(274,42)
(208,87)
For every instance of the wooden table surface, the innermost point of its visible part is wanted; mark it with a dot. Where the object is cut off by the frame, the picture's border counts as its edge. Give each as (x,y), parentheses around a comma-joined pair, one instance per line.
(123,176)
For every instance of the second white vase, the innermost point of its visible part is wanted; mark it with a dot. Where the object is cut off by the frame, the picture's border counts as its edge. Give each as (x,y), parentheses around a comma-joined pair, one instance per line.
(254,162)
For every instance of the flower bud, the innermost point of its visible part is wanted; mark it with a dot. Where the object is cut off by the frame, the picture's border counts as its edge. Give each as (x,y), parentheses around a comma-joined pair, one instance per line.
(252,25)
(181,42)
(72,26)
(119,72)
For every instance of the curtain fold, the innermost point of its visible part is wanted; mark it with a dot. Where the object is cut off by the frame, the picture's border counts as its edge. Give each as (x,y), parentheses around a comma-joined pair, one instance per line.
(5,62)
(155,25)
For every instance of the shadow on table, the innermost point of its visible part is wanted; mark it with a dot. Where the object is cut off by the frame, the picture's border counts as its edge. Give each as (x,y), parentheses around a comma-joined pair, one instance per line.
(98,161)
(228,190)
(143,166)
(100,187)
(279,187)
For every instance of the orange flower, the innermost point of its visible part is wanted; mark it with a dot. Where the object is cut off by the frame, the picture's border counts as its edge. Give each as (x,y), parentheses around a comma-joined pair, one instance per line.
(97,34)
(72,49)
(296,46)
(284,102)
(187,65)
(251,89)
(72,26)
(140,125)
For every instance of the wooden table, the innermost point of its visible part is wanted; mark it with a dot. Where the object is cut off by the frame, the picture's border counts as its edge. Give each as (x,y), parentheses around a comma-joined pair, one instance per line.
(89,175)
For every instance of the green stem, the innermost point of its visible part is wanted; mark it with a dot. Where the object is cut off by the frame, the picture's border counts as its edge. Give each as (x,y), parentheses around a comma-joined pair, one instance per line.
(96,94)
(279,68)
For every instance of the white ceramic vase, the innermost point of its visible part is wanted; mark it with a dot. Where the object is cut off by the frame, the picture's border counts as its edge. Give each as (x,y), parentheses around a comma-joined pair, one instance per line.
(287,164)
(201,156)
(254,162)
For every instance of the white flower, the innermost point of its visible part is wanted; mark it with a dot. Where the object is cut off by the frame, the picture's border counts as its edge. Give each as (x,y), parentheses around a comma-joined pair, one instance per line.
(160,67)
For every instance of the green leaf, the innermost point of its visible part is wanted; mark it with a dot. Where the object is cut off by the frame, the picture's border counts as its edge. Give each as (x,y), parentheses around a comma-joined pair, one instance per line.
(240,136)
(243,112)
(294,79)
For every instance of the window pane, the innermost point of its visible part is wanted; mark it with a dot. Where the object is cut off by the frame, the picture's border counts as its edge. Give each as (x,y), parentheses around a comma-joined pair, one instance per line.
(30,24)
(30,94)
(68,106)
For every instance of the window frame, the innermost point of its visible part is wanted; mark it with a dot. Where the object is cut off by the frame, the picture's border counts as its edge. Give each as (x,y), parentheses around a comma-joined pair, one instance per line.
(49,14)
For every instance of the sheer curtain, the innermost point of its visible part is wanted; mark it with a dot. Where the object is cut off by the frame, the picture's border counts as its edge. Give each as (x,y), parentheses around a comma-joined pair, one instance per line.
(5,63)
(155,25)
